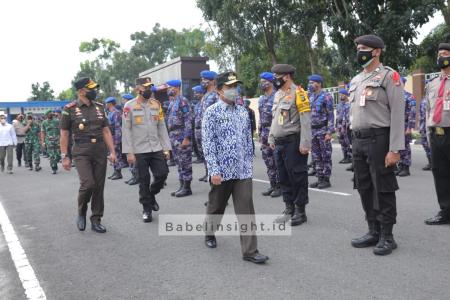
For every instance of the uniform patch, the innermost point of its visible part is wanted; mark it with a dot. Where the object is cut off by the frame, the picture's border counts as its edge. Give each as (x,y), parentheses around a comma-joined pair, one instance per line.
(126,111)
(395,76)
(71,104)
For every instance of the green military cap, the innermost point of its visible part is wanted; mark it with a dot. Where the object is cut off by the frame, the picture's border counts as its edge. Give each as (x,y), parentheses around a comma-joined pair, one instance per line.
(48,111)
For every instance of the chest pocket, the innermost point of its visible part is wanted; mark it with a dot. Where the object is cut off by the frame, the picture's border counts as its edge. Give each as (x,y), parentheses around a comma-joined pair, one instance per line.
(372,91)
(352,92)
(138,117)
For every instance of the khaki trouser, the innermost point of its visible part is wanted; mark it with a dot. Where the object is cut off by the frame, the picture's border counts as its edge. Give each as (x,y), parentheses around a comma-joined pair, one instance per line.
(8,152)
(242,192)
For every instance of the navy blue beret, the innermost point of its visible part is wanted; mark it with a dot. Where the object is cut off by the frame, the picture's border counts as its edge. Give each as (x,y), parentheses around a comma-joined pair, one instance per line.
(110,100)
(174,83)
(127,96)
(343,92)
(267,76)
(210,75)
(198,89)
(316,78)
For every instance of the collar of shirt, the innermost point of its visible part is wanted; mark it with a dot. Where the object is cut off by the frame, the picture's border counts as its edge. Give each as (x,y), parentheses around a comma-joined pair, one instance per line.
(443,75)
(226,106)
(81,103)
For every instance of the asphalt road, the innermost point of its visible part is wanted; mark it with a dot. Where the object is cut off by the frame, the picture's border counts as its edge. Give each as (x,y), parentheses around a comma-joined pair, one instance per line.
(131,261)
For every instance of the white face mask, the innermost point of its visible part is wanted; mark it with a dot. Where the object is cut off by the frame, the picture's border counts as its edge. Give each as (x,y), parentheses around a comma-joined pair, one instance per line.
(231,94)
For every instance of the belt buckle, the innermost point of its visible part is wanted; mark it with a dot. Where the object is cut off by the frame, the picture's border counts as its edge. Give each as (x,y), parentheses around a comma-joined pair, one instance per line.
(93,141)
(440,131)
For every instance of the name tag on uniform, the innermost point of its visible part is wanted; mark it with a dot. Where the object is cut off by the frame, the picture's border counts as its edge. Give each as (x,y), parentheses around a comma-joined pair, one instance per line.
(362,100)
(280,119)
(447,105)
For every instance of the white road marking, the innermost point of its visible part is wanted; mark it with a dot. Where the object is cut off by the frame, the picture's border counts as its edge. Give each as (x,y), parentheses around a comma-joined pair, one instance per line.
(30,283)
(311,189)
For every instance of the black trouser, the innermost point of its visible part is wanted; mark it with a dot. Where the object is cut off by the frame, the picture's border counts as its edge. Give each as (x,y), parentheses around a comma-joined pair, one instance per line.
(20,151)
(440,161)
(242,192)
(157,163)
(292,169)
(375,183)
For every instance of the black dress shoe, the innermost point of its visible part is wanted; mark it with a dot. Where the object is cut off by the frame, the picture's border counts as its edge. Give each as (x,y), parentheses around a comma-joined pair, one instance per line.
(81,223)
(439,219)
(256,258)
(147,216)
(210,241)
(154,205)
(97,227)
(133,181)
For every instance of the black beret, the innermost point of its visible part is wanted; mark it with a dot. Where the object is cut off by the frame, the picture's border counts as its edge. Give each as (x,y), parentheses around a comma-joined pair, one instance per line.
(444,46)
(144,81)
(283,69)
(85,82)
(227,78)
(370,40)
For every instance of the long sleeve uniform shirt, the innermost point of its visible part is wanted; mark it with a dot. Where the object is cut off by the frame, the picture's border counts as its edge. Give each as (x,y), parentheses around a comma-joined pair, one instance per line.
(7,135)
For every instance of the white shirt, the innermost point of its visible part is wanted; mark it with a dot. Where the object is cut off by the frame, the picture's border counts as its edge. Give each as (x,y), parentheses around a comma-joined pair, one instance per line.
(7,135)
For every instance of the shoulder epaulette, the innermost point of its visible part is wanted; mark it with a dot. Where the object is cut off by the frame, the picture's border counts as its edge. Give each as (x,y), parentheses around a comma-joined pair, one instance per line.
(71,104)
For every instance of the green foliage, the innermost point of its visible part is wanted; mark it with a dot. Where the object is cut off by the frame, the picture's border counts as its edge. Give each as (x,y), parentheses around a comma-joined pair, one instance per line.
(427,52)
(41,92)
(68,94)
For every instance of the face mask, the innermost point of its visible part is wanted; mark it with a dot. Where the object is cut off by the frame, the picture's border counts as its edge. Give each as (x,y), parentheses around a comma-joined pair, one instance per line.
(311,88)
(443,62)
(146,94)
(279,82)
(204,84)
(264,86)
(91,95)
(231,94)
(171,93)
(364,57)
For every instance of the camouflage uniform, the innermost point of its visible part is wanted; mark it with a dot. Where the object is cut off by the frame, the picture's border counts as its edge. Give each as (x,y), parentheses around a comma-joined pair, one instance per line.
(115,125)
(179,121)
(343,127)
(423,129)
(322,123)
(410,123)
(32,146)
(50,127)
(265,105)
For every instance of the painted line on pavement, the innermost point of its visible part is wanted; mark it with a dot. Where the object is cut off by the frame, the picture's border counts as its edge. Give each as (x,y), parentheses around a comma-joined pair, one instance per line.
(311,189)
(30,283)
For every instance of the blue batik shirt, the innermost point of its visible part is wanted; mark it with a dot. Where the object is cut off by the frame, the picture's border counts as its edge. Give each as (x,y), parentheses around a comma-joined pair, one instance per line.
(227,141)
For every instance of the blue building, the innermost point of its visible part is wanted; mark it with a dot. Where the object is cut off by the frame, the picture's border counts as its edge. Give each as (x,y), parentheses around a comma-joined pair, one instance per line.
(12,109)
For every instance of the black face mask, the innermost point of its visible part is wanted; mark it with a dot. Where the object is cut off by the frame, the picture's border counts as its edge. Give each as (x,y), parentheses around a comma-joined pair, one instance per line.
(443,62)
(91,95)
(364,57)
(146,94)
(279,82)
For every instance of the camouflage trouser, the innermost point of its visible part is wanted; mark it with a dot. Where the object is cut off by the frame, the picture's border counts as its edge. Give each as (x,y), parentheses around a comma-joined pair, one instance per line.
(268,156)
(182,156)
(321,153)
(344,140)
(120,162)
(32,150)
(405,155)
(425,145)
(53,152)
(198,139)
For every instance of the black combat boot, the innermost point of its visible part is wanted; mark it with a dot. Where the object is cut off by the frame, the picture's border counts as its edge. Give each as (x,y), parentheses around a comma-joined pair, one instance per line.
(179,189)
(269,191)
(404,172)
(316,184)
(369,239)
(386,243)
(185,191)
(54,169)
(117,175)
(287,213)
(276,191)
(37,168)
(325,183)
(299,216)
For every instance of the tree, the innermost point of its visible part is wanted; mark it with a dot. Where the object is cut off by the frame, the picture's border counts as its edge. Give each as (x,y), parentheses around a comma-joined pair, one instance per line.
(395,21)
(41,92)
(68,94)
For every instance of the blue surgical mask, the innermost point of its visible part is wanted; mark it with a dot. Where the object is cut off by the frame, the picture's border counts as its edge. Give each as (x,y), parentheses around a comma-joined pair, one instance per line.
(231,94)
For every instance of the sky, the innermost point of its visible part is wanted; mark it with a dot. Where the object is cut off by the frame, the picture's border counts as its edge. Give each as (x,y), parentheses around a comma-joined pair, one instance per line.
(40,38)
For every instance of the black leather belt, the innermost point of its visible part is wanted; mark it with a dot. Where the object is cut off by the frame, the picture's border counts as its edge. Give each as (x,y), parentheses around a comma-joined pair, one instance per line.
(88,140)
(286,139)
(370,132)
(440,131)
